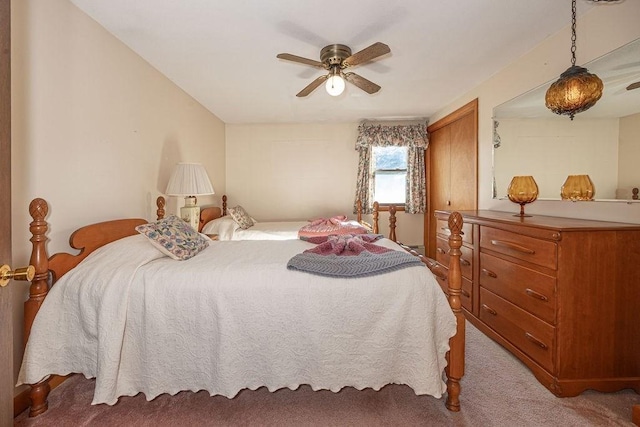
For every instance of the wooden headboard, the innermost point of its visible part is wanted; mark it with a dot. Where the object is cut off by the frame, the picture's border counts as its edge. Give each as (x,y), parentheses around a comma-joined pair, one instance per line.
(212,212)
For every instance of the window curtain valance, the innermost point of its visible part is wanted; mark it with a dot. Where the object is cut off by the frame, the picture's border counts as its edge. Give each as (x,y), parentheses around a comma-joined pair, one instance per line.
(384,136)
(412,136)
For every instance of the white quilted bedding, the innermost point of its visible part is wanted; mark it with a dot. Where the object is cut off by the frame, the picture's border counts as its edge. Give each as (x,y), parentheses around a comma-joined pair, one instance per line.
(233,317)
(277,230)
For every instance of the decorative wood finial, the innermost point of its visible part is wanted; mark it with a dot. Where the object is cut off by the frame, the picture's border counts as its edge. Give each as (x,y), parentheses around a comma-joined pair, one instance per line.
(160,203)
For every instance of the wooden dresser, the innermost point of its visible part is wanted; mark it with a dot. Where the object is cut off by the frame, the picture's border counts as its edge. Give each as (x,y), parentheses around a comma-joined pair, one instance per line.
(563,295)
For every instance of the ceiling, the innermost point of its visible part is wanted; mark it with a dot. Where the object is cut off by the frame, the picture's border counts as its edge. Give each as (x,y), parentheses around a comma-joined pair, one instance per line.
(223,52)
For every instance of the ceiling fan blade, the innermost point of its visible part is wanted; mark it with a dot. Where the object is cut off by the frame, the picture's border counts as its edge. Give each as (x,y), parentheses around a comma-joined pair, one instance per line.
(632,86)
(312,86)
(361,82)
(366,54)
(300,59)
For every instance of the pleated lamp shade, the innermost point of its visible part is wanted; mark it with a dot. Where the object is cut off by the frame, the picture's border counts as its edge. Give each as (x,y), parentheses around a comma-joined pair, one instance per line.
(189,179)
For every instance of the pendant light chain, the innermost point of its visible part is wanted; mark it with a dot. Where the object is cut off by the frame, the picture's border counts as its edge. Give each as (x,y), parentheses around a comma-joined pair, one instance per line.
(573,32)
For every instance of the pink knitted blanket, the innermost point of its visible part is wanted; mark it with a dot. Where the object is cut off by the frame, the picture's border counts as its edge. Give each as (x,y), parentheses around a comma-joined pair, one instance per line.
(327,226)
(346,244)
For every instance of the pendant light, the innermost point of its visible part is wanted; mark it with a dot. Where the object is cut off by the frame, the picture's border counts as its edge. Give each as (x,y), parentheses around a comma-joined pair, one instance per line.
(576,90)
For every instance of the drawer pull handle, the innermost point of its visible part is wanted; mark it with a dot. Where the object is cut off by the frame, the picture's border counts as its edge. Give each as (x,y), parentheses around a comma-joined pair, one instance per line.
(513,246)
(489,310)
(489,273)
(535,340)
(464,262)
(441,251)
(535,294)
(465,293)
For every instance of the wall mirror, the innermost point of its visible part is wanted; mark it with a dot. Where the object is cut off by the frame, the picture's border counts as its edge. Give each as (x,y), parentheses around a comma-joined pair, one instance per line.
(602,142)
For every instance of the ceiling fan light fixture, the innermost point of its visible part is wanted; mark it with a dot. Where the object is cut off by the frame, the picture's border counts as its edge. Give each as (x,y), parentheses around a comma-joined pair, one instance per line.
(335,58)
(577,89)
(335,85)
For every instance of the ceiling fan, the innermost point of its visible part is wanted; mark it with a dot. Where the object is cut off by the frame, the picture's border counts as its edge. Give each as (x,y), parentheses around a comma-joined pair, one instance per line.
(335,58)
(635,85)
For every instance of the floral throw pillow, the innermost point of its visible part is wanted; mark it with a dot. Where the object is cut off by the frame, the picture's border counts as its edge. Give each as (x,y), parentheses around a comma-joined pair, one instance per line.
(174,237)
(241,217)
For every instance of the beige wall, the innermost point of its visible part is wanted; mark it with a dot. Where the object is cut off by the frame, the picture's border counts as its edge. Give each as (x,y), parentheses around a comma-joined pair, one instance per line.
(96,129)
(298,172)
(629,151)
(602,29)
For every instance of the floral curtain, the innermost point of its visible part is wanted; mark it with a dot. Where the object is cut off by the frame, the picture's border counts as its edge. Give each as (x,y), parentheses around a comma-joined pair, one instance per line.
(412,136)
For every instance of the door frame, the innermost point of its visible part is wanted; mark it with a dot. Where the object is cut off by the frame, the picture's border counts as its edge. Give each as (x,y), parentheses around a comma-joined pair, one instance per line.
(6,309)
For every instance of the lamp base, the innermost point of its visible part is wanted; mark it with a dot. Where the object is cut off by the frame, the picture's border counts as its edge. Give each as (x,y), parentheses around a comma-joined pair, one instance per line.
(190,212)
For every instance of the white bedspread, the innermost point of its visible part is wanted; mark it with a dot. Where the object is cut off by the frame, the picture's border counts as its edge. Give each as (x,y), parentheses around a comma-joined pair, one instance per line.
(276,230)
(234,317)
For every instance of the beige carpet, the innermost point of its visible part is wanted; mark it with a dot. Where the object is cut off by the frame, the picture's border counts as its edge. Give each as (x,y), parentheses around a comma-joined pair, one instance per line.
(497,390)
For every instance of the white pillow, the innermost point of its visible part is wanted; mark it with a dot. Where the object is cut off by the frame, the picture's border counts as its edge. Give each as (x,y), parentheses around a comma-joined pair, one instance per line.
(224,227)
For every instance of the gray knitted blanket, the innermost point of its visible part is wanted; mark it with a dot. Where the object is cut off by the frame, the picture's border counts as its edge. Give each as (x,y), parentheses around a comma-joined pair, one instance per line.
(361,265)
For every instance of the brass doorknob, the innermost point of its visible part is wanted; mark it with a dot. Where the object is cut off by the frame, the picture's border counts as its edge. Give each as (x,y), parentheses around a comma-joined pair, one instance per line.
(25,273)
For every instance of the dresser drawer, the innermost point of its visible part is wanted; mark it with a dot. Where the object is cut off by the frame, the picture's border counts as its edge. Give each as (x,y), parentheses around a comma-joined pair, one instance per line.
(441,274)
(526,288)
(443,230)
(530,249)
(466,259)
(530,334)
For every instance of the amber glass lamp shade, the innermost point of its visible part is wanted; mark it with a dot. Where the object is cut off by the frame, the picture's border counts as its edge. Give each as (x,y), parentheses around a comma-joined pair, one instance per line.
(577,187)
(522,190)
(575,91)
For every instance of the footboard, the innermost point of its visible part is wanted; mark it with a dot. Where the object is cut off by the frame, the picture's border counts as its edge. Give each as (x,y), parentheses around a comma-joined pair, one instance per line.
(455,356)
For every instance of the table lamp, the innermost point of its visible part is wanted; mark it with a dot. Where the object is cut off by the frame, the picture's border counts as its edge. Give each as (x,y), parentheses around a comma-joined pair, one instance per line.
(190,180)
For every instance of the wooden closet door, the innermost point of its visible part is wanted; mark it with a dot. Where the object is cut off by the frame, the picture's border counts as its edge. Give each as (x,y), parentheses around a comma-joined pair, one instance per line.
(464,163)
(452,167)
(439,172)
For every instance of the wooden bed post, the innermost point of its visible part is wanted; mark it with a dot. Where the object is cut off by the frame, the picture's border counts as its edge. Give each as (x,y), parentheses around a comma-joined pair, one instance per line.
(160,203)
(224,205)
(392,223)
(455,357)
(38,209)
(376,206)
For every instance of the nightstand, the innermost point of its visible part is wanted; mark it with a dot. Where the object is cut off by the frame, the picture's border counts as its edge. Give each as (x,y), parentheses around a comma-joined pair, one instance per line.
(212,236)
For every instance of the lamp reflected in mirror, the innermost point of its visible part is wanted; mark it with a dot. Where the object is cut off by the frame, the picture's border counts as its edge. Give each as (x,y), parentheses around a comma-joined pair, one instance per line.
(522,190)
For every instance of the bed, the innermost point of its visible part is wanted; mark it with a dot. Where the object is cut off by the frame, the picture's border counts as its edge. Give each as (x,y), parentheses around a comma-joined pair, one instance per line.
(240,319)
(216,221)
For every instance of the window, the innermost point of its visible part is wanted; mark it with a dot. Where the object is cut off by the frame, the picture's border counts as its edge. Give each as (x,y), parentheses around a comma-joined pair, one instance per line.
(389,173)
(391,167)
